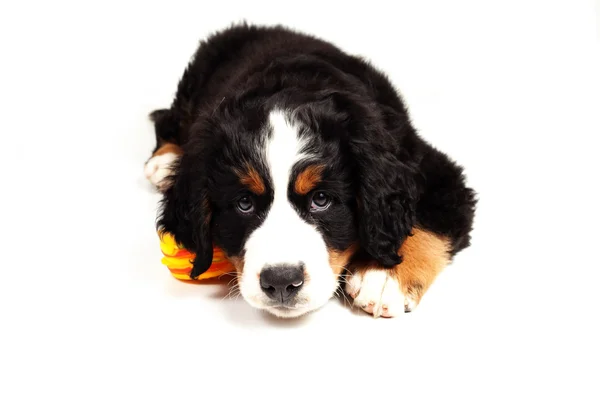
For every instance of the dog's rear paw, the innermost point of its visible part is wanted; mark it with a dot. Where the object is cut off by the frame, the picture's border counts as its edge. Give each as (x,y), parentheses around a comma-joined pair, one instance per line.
(158,168)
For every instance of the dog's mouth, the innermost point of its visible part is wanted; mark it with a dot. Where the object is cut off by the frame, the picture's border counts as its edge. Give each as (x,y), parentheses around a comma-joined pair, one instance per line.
(286,310)
(289,305)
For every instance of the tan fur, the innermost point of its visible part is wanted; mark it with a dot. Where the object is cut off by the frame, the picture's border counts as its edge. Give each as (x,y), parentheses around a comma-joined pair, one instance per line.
(168,148)
(424,254)
(238,263)
(252,179)
(308,179)
(338,260)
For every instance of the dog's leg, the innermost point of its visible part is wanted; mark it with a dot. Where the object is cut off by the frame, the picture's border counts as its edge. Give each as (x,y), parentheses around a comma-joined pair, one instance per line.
(392,292)
(158,167)
(167,150)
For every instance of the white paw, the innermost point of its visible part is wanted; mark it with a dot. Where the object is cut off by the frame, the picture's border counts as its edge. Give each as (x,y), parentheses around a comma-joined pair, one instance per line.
(158,168)
(378,292)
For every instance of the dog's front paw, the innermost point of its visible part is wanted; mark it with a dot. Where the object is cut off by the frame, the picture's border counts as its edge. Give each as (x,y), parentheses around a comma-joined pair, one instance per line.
(378,291)
(158,168)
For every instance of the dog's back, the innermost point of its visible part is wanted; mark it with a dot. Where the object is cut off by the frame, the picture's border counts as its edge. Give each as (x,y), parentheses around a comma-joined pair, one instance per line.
(245,58)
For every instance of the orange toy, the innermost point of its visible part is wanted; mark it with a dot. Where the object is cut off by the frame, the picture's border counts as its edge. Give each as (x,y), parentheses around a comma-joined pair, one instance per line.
(179,260)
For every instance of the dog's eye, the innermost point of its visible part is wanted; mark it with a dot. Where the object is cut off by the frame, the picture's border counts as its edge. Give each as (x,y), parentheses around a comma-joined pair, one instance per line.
(320,201)
(245,204)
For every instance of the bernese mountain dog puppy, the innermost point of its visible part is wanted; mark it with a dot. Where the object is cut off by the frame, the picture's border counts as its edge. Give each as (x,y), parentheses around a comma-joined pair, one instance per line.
(301,163)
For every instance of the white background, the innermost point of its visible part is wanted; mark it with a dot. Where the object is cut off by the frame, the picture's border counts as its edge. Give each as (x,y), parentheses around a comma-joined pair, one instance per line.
(507,88)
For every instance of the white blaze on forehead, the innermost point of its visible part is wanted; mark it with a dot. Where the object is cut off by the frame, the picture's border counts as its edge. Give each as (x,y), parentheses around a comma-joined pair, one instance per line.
(283,151)
(284,238)
(283,232)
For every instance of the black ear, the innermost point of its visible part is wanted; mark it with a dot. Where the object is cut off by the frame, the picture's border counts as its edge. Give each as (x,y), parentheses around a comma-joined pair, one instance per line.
(386,196)
(381,144)
(186,213)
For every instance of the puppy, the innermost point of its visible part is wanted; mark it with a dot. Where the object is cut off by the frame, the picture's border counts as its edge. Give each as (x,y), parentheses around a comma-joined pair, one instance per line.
(300,162)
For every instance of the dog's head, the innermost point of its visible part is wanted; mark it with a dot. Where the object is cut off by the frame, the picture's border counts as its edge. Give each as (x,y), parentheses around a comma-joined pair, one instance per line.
(291,191)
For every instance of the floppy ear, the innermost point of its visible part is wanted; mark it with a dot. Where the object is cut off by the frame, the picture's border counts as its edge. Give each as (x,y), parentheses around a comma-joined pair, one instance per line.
(386,196)
(381,147)
(186,213)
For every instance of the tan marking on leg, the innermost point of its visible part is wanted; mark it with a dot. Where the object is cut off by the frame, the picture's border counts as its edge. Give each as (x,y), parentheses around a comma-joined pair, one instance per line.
(168,148)
(158,168)
(424,255)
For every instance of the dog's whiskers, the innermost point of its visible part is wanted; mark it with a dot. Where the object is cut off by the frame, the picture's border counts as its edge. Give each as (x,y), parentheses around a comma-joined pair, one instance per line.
(234,274)
(232,291)
(343,293)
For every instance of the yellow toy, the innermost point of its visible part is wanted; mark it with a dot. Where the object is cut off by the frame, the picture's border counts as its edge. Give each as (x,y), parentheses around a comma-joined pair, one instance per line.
(179,260)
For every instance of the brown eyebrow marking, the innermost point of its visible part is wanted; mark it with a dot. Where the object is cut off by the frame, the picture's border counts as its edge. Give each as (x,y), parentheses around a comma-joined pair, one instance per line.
(308,179)
(251,178)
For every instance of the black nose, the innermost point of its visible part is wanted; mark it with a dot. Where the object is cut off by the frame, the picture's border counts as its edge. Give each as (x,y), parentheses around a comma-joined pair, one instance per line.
(282,282)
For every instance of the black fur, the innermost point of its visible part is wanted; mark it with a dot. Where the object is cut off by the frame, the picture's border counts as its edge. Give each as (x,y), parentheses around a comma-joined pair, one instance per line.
(385,179)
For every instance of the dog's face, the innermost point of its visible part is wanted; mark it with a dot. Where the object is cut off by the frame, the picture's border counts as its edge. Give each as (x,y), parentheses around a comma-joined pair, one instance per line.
(285,215)
(289,199)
